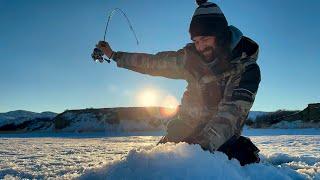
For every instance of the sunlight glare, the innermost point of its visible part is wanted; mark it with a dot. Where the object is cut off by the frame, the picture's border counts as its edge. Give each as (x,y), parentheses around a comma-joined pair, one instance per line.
(148,97)
(170,104)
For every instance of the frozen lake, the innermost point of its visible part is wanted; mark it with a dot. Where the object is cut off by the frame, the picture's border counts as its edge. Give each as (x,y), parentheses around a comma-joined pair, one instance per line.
(295,153)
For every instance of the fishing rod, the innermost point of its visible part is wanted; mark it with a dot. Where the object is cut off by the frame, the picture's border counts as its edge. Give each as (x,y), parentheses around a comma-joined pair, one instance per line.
(97,54)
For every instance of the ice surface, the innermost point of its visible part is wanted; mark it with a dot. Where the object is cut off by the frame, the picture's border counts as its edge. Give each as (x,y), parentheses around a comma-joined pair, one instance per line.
(62,157)
(286,154)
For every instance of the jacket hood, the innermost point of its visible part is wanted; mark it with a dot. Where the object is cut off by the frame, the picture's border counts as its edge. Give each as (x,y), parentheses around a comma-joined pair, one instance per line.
(236,36)
(242,46)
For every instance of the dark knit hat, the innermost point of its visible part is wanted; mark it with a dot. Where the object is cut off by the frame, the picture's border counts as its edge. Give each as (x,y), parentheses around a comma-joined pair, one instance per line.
(208,20)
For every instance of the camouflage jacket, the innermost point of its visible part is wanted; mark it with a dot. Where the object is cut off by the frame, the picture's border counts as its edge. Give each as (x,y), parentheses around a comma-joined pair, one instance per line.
(220,100)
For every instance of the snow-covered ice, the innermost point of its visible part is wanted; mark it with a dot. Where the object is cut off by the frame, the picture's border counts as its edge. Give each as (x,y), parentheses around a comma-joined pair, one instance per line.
(286,154)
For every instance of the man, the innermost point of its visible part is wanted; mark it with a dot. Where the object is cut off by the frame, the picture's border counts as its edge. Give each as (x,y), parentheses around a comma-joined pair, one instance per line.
(223,78)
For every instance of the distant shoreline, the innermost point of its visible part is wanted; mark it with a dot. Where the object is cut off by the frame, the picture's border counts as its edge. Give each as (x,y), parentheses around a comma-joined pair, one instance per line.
(246,132)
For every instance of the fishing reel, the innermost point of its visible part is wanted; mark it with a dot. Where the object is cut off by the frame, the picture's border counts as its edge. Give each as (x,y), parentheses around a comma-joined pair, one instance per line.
(97,55)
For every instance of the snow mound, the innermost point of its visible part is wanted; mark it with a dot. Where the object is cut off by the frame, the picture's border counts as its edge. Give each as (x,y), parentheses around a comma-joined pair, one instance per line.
(184,161)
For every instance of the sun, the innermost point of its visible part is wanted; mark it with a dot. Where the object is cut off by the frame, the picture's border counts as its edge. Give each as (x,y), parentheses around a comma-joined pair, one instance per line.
(151,97)
(148,97)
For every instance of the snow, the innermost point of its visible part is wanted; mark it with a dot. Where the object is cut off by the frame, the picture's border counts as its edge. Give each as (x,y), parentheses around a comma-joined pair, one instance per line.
(184,161)
(19,113)
(20,116)
(88,122)
(26,114)
(278,132)
(295,125)
(83,122)
(129,125)
(285,154)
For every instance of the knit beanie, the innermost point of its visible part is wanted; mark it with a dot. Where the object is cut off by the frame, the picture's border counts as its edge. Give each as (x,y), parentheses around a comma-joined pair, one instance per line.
(208,20)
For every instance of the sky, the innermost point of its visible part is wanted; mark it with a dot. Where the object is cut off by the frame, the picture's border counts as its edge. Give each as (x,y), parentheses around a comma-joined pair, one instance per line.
(45,47)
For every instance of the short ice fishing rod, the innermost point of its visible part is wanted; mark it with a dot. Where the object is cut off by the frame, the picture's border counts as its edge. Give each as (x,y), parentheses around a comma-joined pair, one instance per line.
(97,54)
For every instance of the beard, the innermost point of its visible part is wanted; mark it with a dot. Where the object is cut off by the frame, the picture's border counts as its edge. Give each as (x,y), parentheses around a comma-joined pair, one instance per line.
(208,54)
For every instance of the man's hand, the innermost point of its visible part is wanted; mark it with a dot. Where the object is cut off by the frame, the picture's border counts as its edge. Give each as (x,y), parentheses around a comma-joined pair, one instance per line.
(105,47)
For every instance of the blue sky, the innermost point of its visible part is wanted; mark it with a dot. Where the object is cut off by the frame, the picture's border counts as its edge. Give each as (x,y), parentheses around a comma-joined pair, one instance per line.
(45,49)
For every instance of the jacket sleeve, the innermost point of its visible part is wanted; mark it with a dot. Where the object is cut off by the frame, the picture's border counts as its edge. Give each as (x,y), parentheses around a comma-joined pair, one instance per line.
(168,64)
(233,110)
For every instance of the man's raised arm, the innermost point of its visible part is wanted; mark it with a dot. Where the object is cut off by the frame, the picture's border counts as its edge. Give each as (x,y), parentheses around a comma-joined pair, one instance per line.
(168,64)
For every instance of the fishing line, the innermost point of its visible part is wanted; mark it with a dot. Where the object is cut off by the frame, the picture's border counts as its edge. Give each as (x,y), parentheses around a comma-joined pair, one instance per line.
(128,21)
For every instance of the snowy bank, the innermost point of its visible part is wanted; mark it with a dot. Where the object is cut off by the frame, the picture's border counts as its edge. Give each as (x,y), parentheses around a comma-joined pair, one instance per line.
(124,119)
(184,161)
(26,121)
(298,124)
(20,116)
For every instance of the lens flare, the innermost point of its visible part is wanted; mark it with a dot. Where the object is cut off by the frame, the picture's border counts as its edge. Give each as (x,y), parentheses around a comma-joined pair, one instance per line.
(169,106)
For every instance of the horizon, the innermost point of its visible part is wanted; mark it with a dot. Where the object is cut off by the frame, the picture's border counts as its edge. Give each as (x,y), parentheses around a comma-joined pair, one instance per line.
(46,65)
(130,107)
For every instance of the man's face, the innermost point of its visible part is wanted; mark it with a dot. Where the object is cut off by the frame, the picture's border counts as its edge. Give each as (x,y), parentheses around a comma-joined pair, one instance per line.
(206,46)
